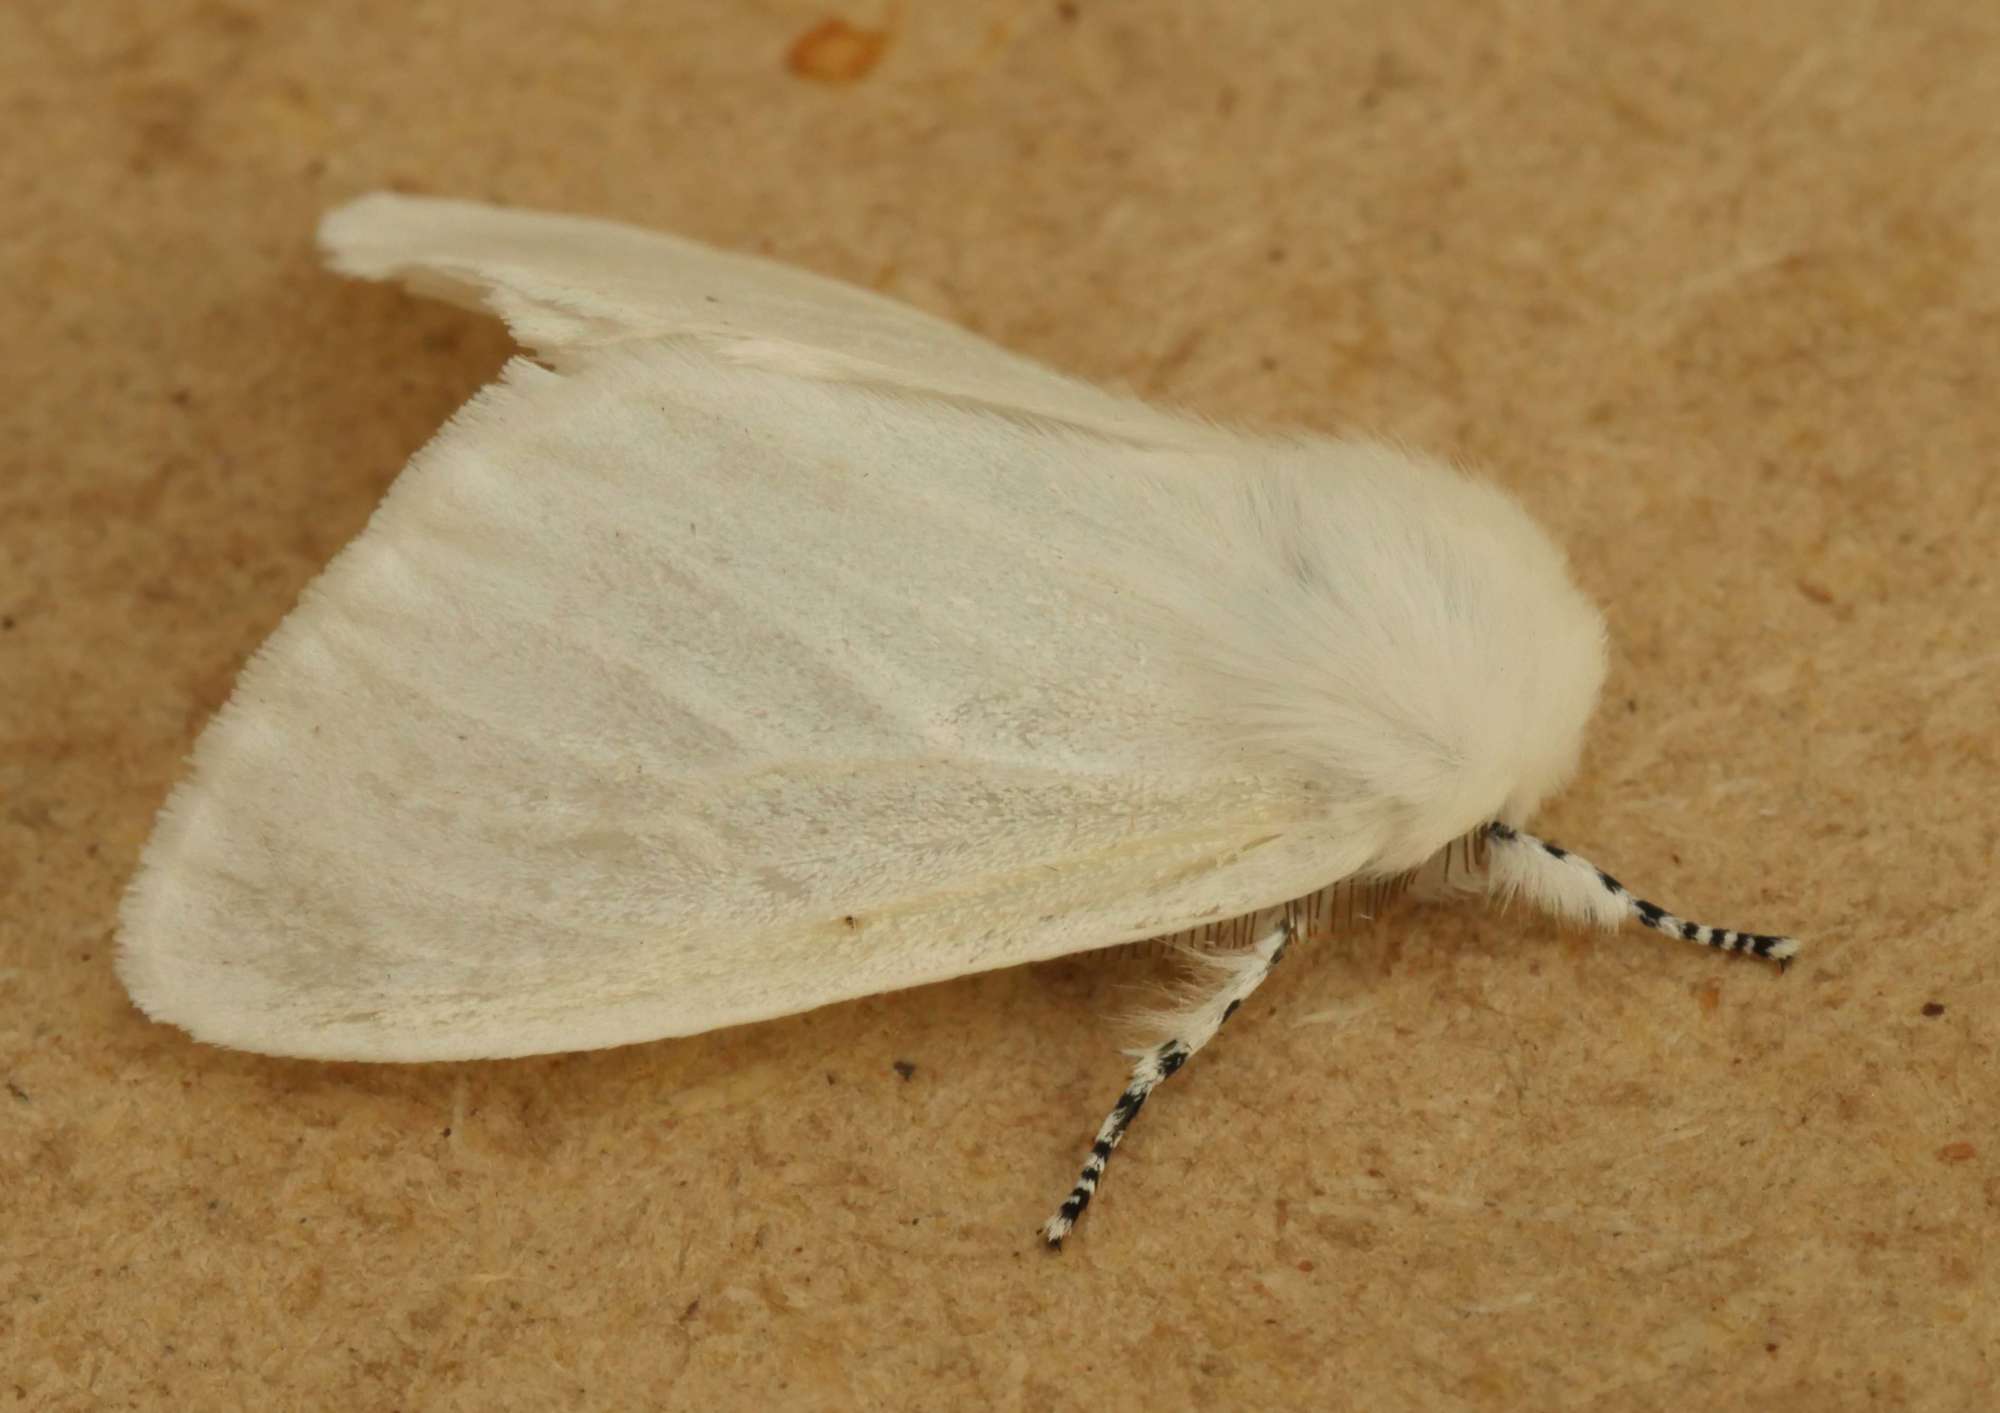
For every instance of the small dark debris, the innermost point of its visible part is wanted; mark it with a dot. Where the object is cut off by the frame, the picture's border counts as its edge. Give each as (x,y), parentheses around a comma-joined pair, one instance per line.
(180,397)
(829,1076)
(1933,1009)
(1770,1349)
(6,621)
(1068,11)
(905,1068)
(444,1132)
(18,1092)
(692,1306)
(1632,705)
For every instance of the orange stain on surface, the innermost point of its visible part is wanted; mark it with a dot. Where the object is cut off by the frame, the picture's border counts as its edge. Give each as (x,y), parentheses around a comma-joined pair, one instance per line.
(835,51)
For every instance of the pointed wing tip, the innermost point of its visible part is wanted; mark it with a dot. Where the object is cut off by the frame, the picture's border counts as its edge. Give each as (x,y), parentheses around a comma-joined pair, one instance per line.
(376,235)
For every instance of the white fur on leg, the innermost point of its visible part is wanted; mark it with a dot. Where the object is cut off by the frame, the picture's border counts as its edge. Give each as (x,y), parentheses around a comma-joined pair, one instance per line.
(1564,885)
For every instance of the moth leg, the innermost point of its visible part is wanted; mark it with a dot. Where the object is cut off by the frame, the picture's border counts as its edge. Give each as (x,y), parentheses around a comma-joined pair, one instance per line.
(1191,1029)
(1569,885)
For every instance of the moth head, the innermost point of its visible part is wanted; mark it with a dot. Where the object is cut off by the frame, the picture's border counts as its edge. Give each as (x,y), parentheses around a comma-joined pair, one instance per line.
(1549,734)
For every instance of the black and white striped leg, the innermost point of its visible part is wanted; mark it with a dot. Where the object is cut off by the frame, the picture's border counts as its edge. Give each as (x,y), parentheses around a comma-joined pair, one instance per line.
(1564,881)
(1191,1029)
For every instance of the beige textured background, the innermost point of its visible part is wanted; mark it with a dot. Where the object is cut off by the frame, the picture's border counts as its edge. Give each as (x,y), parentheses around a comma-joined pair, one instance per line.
(1711,285)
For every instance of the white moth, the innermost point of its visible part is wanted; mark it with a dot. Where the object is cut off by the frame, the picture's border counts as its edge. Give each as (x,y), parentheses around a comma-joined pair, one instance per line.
(762,643)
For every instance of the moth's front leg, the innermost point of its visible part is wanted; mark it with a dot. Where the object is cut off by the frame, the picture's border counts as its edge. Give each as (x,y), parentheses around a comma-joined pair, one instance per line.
(1187,1031)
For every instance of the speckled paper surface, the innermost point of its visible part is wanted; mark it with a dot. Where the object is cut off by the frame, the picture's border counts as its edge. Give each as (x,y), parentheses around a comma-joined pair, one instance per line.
(1715,288)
